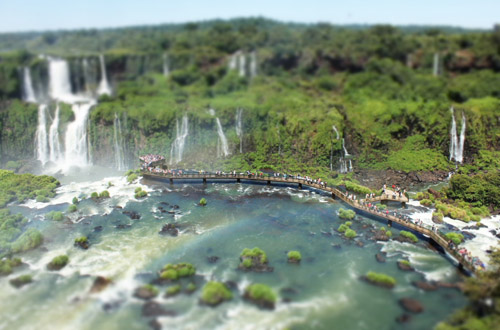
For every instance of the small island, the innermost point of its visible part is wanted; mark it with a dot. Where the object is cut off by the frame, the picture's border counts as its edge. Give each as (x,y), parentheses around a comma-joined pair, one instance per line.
(261,295)
(58,262)
(254,260)
(173,272)
(214,293)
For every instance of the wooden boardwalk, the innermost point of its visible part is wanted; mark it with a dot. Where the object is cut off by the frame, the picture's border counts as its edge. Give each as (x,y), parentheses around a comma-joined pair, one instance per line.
(425,230)
(390,196)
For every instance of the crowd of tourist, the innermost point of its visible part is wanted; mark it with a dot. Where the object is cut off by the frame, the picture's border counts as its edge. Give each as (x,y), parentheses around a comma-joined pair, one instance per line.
(149,159)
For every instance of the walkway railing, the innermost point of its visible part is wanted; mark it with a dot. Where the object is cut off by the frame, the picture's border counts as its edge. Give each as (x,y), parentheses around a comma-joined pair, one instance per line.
(436,235)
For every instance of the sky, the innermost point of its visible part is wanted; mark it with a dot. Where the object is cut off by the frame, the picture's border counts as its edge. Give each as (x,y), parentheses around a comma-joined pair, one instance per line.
(34,15)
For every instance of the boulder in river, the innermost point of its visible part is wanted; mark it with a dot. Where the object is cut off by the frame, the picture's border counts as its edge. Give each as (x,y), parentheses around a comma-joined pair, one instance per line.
(426,286)
(152,308)
(132,214)
(380,257)
(169,229)
(100,283)
(411,305)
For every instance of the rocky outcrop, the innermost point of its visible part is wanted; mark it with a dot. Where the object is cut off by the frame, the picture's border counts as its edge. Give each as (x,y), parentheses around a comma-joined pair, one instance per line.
(100,283)
(411,305)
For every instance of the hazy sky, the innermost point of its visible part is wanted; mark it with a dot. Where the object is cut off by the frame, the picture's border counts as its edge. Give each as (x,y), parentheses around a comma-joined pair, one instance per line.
(27,15)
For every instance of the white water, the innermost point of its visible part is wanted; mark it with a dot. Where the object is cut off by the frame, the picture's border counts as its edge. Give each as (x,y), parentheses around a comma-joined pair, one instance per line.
(224,149)
(456,145)
(59,81)
(242,65)
(76,141)
(239,127)
(41,135)
(177,148)
(55,153)
(233,61)
(87,76)
(166,68)
(346,154)
(435,68)
(29,93)
(350,165)
(253,64)
(118,144)
(336,132)
(104,87)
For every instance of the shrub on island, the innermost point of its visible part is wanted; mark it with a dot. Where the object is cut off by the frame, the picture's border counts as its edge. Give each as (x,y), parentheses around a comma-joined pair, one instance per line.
(456,238)
(349,233)
(6,265)
(104,194)
(146,292)
(404,265)
(388,233)
(190,288)
(426,202)
(173,272)
(173,290)
(72,208)
(75,200)
(58,262)
(94,195)
(254,259)
(203,201)
(342,228)
(437,217)
(139,193)
(409,236)
(131,177)
(21,281)
(82,242)
(30,239)
(346,214)
(214,293)
(261,295)
(380,279)
(294,257)
(54,215)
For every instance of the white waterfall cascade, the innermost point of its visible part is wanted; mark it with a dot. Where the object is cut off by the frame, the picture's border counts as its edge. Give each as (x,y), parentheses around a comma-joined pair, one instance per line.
(435,66)
(239,127)
(223,150)
(120,163)
(345,165)
(28,91)
(59,81)
(42,146)
(253,64)
(87,76)
(346,154)
(76,138)
(242,65)
(456,145)
(177,148)
(166,67)
(104,87)
(336,132)
(233,61)
(55,150)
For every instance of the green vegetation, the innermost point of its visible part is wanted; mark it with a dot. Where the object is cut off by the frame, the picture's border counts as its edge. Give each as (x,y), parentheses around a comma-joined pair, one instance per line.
(174,272)
(408,235)
(203,201)
(354,187)
(12,237)
(20,187)
(132,177)
(349,233)
(54,215)
(214,293)
(21,281)
(191,287)
(456,238)
(139,193)
(388,233)
(261,294)
(82,242)
(104,194)
(381,279)
(426,202)
(255,254)
(247,263)
(58,262)
(346,214)
(72,208)
(6,265)
(344,227)
(94,195)
(293,256)
(151,289)
(75,200)
(173,290)
(405,262)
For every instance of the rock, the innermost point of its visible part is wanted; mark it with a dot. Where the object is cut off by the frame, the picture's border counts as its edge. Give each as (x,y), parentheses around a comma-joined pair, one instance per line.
(121,226)
(326,233)
(83,245)
(169,229)
(152,308)
(286,300)
(380,257)
(468,235)
(100,283)
(404,266)
(144,293)
(132,214)
(434,192)
(403,318)
(118,207)
(263,303)
(289,291)
(360,244)
(381,236)
(98,229)
(212,259)
(176,207)
(436,219)
(154,324)
(231,285)
(411,305)
(426,286)
(164,203)
(447,285)
(380,284)
(337,246)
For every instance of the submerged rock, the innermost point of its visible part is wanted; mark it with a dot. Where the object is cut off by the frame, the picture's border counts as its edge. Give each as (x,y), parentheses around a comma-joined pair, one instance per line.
(169,229)
(405,266)
(411,305)
(152,308)
(212,259)
(100,283)
(145,293)
(98,229)
(403,318)
(380,257)
(426,286)
(154,324)
(132,214)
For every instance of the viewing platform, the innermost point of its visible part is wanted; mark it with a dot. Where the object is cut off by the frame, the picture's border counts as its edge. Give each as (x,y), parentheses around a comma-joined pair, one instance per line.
(390,196)
(435,236)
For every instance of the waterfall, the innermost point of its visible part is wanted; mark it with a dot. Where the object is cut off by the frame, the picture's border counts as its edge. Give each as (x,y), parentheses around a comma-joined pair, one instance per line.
(346,154)
(435,67)
(242,65)
(177,148)
(59,80)
(104,87)
(222,139)
(118,144)
(166,69)
(75,140)
(239,128)
(253,64)
(87,76)
(350,165)
(41,135)
(29,93)
(54,144)
(456,145)
(344,166)
(336,132)
(233,61)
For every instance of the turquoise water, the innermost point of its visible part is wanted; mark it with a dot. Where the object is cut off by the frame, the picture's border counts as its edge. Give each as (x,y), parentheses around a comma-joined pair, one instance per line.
(323,292)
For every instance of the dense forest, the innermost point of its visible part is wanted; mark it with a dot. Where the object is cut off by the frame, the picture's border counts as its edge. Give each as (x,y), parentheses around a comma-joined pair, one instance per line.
(387,90)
